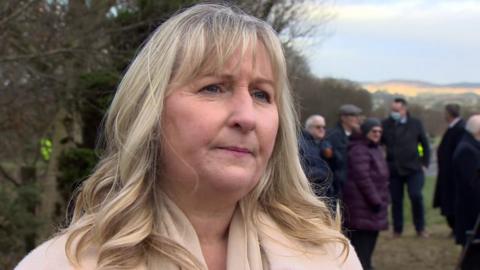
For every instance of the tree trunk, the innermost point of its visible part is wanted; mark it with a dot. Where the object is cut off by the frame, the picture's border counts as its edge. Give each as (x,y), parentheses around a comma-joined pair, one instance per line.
(50,194)
(67,134)
(28,176)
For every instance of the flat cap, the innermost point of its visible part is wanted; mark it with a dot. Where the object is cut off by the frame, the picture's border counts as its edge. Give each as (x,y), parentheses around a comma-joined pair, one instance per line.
(349,109)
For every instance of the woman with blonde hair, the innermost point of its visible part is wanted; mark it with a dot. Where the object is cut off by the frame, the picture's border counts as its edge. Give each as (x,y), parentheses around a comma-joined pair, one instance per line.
(201,168)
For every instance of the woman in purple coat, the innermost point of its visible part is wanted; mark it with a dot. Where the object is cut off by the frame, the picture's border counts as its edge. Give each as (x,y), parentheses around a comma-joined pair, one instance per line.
(366,193)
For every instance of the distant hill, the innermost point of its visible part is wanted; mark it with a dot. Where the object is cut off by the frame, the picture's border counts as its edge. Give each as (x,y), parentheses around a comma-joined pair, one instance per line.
(416,88)
(428,95)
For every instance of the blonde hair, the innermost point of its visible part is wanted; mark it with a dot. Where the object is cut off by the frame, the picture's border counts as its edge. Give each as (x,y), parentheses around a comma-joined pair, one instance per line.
(115,208)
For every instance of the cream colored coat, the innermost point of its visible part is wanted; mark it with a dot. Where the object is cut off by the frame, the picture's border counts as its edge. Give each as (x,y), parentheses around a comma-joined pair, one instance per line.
(243,251)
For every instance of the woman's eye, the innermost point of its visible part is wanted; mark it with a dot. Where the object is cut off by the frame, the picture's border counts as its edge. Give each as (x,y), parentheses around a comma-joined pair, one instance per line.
(261,95)
(212,89)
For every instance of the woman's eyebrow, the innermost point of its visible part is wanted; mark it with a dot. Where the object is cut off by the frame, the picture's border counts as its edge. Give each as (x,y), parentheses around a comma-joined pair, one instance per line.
(258,79)
(230,77)
(264,81)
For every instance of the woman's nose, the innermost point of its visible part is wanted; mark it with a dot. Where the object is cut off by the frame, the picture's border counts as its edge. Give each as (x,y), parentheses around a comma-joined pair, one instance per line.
(242,111)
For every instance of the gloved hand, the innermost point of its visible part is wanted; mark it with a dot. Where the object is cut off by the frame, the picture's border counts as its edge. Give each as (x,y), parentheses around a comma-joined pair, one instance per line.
(376,208)
(327,153)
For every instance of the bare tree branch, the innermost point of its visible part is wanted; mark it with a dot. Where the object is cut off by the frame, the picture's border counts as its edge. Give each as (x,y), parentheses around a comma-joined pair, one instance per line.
(129,27)
(16,13)
(7,176)
(40,55)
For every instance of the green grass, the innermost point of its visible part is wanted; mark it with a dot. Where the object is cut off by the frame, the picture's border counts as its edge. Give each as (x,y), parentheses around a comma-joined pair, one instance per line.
(438,252)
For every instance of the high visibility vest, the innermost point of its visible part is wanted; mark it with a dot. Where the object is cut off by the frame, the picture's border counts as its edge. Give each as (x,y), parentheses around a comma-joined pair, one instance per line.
(420,150)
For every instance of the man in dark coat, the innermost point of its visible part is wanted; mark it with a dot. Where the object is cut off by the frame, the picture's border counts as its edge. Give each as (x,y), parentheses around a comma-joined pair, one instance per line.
(316,126)
(402,135)
(466,170)
(444,197)
(338,137)
(315,168)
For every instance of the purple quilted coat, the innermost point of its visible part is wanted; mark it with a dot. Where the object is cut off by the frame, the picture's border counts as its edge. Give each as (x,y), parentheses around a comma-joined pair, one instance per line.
(365,194)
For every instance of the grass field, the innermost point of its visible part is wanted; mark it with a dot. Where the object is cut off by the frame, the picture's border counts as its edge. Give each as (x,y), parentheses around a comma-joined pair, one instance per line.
(409,252)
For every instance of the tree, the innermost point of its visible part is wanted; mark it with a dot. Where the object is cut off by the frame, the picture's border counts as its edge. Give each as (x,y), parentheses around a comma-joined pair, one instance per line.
(59,66)
(325,96)
(45,44)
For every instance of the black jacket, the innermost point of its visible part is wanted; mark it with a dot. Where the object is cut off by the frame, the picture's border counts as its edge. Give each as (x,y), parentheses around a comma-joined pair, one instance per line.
(401,140)
(445,189)
(339,164)
(466,169)
(315,168)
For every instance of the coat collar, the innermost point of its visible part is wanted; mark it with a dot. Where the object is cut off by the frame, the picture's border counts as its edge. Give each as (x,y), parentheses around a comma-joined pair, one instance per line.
(455,122)
(471,140)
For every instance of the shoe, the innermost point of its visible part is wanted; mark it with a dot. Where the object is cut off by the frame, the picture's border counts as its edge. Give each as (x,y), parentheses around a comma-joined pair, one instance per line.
(396,235)
(423,234)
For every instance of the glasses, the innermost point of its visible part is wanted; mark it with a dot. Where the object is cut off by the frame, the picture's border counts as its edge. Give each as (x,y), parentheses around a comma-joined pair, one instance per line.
(376,131)
(318,127)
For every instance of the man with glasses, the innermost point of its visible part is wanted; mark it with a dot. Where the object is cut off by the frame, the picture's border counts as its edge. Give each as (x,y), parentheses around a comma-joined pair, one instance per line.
(316,126)
(313,150)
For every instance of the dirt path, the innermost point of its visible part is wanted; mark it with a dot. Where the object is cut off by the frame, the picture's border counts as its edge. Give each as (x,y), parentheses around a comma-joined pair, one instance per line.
(412,253)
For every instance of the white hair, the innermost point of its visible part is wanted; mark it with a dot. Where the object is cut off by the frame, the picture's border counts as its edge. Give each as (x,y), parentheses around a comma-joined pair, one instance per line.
(473,124)
(312,118)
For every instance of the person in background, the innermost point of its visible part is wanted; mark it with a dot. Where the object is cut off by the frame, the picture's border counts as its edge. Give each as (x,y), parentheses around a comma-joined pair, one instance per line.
(349,121)
(313,150)
(365,194)
(316,126)
(466,170)
(444,196)
(402,135)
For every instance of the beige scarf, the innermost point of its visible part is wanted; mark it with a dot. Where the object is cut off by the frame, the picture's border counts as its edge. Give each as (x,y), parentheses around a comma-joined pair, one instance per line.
(255,248)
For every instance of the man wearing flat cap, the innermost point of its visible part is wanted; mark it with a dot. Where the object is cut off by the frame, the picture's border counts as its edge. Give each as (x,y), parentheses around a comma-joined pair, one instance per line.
(349,121)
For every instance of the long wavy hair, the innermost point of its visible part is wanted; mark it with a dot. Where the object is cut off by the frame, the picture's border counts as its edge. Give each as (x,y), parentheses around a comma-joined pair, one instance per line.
(115,207)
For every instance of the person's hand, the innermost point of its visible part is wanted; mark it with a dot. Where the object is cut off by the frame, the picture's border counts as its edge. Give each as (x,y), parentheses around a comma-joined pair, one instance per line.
(376,208)
(327,153)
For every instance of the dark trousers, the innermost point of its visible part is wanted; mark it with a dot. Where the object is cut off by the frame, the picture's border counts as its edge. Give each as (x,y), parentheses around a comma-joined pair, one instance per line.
(415,182)
(364,244)
(451,221)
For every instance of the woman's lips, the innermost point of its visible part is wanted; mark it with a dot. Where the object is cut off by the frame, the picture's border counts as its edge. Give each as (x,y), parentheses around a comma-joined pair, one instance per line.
(236,149)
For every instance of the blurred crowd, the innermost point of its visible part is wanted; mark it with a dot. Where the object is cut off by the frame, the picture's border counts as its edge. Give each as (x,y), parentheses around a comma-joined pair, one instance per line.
(361,166)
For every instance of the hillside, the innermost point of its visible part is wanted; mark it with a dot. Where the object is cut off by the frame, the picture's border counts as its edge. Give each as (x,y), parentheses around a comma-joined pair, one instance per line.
(428,95)
(416,88)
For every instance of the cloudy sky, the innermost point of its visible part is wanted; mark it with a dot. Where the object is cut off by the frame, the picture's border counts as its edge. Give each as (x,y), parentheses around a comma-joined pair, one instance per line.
(371,40)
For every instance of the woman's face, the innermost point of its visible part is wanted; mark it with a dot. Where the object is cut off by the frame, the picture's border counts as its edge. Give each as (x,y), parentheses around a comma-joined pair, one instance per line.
(219,130)
(375,134)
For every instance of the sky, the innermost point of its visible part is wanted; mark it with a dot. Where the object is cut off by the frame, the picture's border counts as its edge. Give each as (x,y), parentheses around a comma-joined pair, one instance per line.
(437,41)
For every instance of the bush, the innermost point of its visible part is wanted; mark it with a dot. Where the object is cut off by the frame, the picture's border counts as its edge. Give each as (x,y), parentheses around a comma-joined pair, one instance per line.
(18,224)
(74,166)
